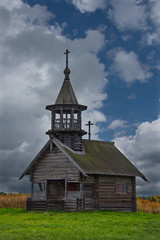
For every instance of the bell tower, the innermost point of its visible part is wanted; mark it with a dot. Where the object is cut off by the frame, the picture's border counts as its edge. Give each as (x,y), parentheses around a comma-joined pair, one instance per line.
(66,123)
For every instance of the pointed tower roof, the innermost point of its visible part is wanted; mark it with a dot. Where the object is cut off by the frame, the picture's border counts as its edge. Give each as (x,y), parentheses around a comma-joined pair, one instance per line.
(66,94)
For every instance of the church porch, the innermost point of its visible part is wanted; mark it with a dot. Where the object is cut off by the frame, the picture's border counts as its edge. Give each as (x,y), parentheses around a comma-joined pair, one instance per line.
(61,195)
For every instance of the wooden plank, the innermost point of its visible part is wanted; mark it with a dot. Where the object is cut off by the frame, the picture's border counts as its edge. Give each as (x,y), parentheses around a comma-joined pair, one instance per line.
(35,205)
(134,204)
(109,199)
(31,189)
(55,166)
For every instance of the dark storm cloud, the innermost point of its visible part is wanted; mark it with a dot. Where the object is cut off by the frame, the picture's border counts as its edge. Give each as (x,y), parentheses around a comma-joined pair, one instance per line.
(14,161)
(31,69)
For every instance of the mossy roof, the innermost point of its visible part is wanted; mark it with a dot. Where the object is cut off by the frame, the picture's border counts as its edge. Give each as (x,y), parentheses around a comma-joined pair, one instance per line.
(100,158)
(104,158)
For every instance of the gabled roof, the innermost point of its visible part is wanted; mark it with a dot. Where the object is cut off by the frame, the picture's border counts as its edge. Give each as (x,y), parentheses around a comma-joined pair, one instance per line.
(104,158)
(43,151)
(99,158)
(66,94)
(35,160)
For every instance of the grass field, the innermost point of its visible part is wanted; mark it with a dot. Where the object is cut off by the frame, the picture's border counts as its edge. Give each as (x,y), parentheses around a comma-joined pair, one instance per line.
(17,224)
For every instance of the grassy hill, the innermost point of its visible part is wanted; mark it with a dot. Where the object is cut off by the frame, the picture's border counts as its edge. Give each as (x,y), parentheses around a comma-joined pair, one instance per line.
(17,224)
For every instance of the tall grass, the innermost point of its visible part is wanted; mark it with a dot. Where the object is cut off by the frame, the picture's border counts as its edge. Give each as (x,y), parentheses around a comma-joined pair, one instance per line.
(149,204)
(11,200)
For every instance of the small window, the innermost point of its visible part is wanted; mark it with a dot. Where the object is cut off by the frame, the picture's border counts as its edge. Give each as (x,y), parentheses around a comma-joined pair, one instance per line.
(57,116)
(39,187)
(73,187)
(120,188)
(75,116)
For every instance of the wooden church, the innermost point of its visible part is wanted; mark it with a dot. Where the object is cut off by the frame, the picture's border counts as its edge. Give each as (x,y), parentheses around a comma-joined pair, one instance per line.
(74,174)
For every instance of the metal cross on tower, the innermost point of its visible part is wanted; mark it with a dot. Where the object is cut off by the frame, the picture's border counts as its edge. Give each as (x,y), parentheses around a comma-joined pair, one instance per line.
(66,53)
(89,129)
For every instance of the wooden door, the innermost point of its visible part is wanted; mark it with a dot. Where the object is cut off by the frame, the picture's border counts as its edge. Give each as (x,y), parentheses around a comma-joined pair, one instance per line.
(56,189)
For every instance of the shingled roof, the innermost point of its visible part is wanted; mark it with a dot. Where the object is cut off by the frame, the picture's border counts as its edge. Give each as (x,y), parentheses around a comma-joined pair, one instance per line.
(66,94)
(99,158)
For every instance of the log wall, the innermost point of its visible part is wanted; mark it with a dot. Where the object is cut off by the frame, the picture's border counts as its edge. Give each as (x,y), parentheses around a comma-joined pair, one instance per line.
(54,165)
(55,190)
(74,141)
(96,191)
(108,199)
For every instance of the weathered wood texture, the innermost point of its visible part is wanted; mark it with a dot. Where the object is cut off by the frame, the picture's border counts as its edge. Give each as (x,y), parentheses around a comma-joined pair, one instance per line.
(79,204)
(54,165)
(39,195)
(83,199)
(134,205)
(110,200)
(55,204)
(55,189)
(96,192)
(37,205)
(72,141)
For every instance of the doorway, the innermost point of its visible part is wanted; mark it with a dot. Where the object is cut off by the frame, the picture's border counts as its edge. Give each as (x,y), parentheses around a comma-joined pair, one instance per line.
(55,189)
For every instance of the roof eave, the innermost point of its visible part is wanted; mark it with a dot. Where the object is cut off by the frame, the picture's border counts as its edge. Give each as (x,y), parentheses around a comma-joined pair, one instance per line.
(57,106)
(114,174)
(26,172)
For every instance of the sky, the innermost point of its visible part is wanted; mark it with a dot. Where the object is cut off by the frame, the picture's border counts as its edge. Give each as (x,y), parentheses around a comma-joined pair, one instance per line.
(115,67)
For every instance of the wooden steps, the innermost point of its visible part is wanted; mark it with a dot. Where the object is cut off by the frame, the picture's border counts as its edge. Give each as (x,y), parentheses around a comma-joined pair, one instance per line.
(55,204)
(35,205)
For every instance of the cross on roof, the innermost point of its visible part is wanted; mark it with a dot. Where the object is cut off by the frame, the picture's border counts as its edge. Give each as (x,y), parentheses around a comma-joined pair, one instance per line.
(66,53)
(89,129)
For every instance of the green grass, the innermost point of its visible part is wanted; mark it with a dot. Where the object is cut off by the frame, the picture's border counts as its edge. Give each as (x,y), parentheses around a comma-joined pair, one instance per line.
(97,225)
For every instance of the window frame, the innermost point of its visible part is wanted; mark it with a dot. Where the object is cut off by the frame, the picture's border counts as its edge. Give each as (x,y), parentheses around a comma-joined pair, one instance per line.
(77,188)
(121,188)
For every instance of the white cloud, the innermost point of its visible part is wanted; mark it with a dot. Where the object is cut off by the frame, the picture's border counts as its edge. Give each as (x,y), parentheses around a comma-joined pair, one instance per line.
(128,14)
(23,147)
(152,38)
(96,117)
(132,97)
(14,20)
(127,37)
(10,5)
(128,66)
(143,149)
(155,12)
(95,129)
(154,35)
(31,69)
(88,5)
(117,124)
(93,42)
